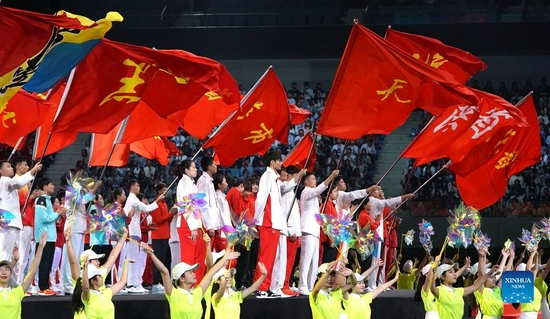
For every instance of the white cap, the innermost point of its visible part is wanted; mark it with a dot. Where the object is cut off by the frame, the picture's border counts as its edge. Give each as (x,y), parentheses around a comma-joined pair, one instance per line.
(474,269)
(407,267)
(94,271)
(521,267)
(88,255)
(181,268)
(443,268)
(426,269)
(322,269)
(358,277)
(217,255)
(542,266)
(222,272)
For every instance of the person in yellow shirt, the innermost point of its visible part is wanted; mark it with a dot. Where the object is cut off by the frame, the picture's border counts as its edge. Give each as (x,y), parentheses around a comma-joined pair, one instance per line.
(541,285)
(408,277)
(357,304)
(530,310)
(326,297)
(450,301)
(181,290)
(10,298)
(225,301)
(489,296)
(424,294)
(96,299)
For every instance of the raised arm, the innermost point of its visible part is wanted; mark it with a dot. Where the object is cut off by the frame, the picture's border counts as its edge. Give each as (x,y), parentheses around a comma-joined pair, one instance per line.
(248,291)
(530,262)
(111,259)
(380,289)
(505,254)
(378,262)
(519,261)
(85,283)
(466,265)
(73,262)
(123,279)
(207,279)
(479,282)
(423,262)
(321,282)
(341,276)
(433,288)
(510,263)
(33,268)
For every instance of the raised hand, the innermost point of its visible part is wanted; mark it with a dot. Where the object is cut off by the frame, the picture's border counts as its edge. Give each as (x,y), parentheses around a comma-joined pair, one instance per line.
(263,270)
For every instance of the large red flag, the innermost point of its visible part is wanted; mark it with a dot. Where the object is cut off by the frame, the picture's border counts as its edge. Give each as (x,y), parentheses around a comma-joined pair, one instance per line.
(264,117)
(302,151)
(123,75)
(101,146)
(298,115)
(159,148)
(144,123)
(26,114)
(462,127)
(461,64)
(57,141)
(211,109)
(378,85)
(507,153)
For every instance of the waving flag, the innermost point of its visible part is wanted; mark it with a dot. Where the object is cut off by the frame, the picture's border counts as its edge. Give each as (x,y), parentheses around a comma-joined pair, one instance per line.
(38,50)
(264,117)
(298,115)
(378,85)
(461,64)
(300,153)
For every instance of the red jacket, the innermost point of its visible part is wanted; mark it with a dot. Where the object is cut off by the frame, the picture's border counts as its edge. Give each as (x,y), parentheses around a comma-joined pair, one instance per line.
(28,214)
(330,209)
(161,218)
(59,227)
(145,228)
(365,218)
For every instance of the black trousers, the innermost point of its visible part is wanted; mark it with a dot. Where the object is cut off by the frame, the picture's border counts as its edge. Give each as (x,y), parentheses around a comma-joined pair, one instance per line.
(163,253)
(45,265)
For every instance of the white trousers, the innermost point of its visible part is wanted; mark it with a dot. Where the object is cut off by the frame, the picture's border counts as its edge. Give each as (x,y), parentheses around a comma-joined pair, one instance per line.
(56,265)
(77,239)
(309,261)
(131,252)
(372,284)
(279,267)
(142,261)
(8,240)
(175,251)
(25,248)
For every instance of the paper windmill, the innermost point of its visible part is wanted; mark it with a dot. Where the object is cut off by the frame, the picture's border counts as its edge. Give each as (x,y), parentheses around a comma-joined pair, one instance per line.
(78,188)
(192,204)
(543,228)
(482,242)
(365,241)
(409,237)
(5,219)
(530,241)
(510,245)
(244,232)
(426,231)
(340,229)
(108,223)
(464,222)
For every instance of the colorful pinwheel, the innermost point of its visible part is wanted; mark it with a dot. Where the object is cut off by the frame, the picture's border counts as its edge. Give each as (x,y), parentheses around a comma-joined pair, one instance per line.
(530,241)
(244,231)
(510,245)
(409,237)
(78,188)
(543,228)
(463,224)
(108,223)
(482,242)
(365,241)
(192,204)
(426,231)
(340,229)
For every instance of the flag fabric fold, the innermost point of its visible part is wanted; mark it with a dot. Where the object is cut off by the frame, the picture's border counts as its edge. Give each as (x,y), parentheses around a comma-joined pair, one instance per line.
(298,115)
(460,64)
(462,127)
(300,153)
(482,177)
(264,117)
(378,85)
(123,75)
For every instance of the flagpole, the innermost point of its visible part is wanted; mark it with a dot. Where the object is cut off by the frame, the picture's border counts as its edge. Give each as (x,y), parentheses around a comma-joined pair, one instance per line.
(418,189)
(16,147)
(245,98)
(332,181)
(115,142)
(300,181)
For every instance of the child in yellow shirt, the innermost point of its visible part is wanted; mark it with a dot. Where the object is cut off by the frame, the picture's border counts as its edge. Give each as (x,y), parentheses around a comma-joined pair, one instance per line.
(357,304)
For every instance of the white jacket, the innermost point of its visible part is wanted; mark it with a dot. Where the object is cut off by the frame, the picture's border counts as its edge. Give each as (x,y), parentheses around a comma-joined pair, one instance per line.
(211,214)
(268,187)
(292,215)
(377,208)
(309,203)
(132,201)
(185,187)
(10,197)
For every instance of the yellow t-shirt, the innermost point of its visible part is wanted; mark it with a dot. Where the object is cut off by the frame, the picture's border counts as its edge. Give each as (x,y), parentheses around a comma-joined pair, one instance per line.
(82,314)
(229,306)
(541,286)
(429,300)
(185,304)
(327,305)
(450,304)
(10,302)
(100,305)
(406,281)
(490,302)
(533,306)
(358,306)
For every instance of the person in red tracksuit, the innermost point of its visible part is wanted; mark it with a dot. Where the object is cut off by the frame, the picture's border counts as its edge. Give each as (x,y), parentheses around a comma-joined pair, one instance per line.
(390,233)
(363,220)
(160,235)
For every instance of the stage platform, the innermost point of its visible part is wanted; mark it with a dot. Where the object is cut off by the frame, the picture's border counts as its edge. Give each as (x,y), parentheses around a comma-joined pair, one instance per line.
(389,305)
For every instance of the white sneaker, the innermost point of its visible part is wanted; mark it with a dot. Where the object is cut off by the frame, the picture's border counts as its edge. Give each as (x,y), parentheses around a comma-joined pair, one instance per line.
(158,288)
(294,289)
(305,292)
(124,290)
(33,291)
(137,290)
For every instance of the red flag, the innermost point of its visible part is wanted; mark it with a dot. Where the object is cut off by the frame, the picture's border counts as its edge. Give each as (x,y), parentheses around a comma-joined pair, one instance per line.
(508,152)
(211,110)
(378,85)
(144,123)
(264,117)
(101,146)
(58,141)
(462,127)
(298,115)
(23,114)
(123,74)
(299,155)
(461,64)
(159,148)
